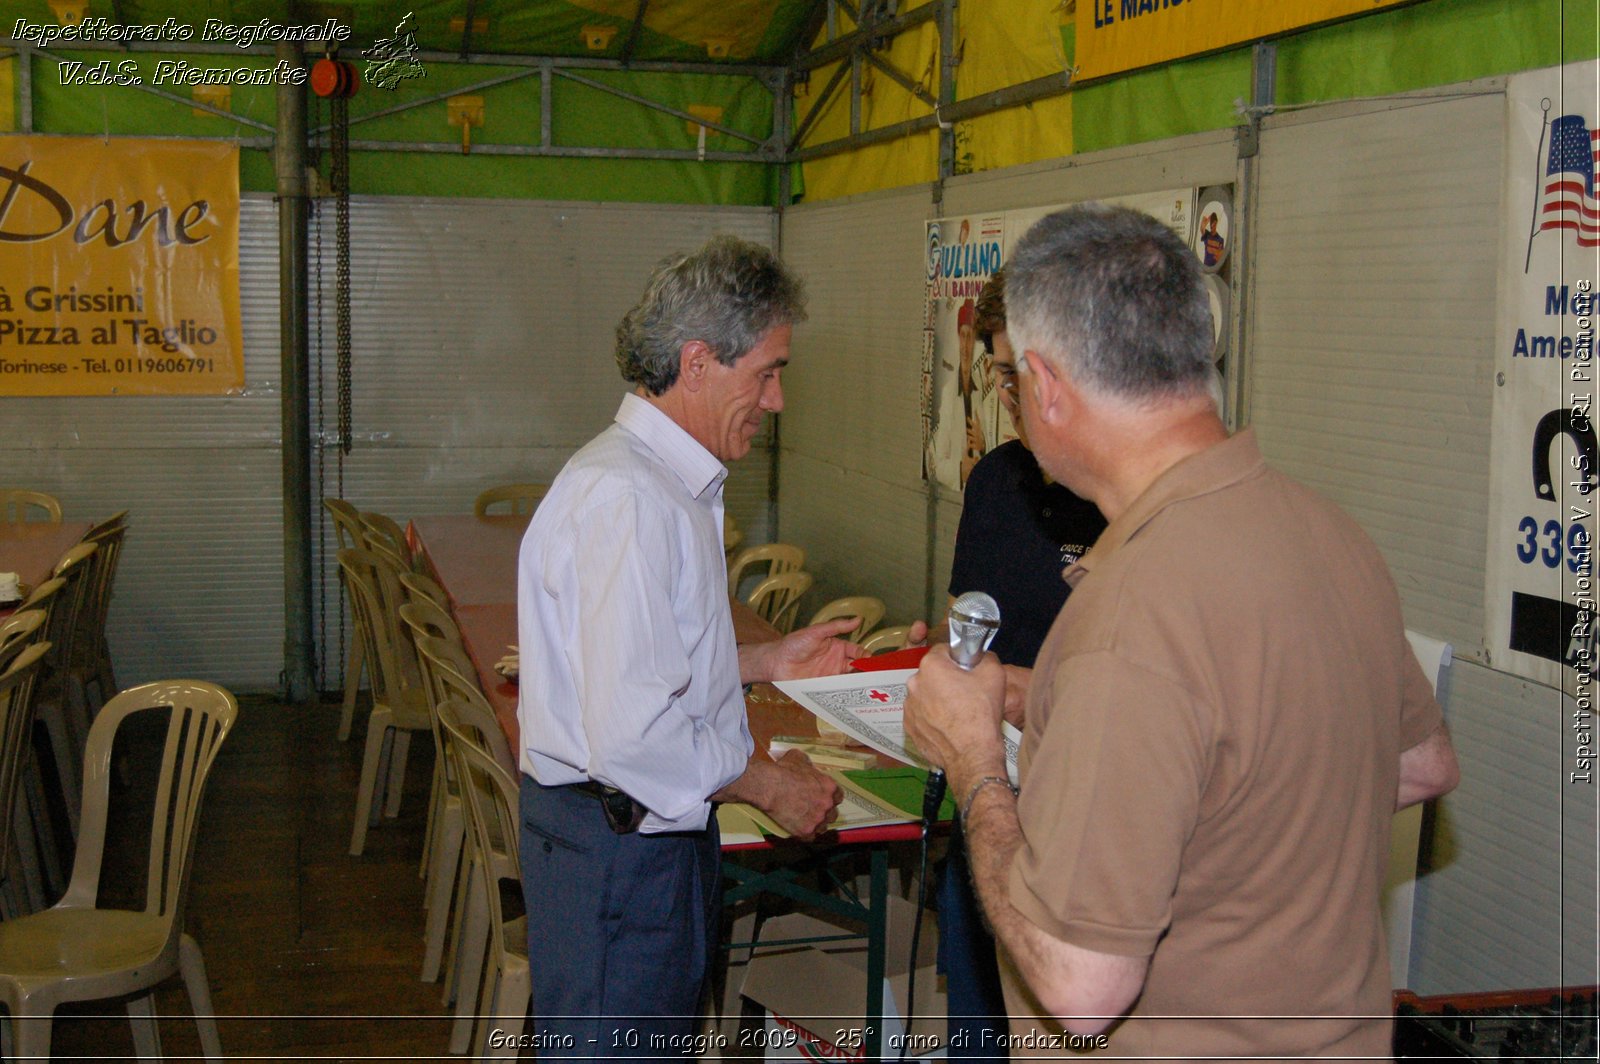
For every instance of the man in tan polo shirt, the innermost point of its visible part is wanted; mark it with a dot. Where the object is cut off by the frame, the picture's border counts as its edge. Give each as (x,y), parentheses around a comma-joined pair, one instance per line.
(1222,720)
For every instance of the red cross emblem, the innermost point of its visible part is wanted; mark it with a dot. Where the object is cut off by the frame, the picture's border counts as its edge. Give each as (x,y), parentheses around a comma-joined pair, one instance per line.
(878,696)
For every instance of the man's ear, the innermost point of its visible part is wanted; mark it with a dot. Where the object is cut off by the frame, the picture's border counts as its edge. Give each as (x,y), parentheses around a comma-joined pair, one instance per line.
(1045,380)
(694,359)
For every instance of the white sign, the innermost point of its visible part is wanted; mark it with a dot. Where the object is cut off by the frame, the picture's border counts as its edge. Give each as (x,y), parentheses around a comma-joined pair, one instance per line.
(1540,593)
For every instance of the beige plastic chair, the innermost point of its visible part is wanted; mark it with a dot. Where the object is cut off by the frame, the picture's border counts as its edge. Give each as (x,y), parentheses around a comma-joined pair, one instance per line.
(20,660)
(886,639)
(78,952)
(777,599)
(505,987)
(732,536)
(446,828)
(17,631)
(868,609)
(61,699)
(518,499)
(419,586)
(778,558)
(91,653)
(386,538)
(19,505)
(399,700)
(351,533)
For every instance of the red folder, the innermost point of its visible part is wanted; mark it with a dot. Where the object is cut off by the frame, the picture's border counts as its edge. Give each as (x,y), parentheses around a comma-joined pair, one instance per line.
(895,659)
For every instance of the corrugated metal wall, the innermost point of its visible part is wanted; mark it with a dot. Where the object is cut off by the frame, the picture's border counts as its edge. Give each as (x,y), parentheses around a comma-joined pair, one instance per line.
(483,332)
(1376,257)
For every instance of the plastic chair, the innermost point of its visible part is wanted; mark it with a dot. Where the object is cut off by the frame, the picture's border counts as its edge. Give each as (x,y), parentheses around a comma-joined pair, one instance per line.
(868,609)
(91,653)
(777,599)
(887,639)
(521,499)
(490,794)
(778,557)
(399,701)
(20,660)
(16,504)
(446,828)
(77,952)
(386,538)
(351,533)
(17,632)
(62,701)
(419,586)
(732,536)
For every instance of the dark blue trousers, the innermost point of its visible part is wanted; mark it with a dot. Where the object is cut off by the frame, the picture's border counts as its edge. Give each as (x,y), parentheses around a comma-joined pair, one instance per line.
(621,929)
(977,1007)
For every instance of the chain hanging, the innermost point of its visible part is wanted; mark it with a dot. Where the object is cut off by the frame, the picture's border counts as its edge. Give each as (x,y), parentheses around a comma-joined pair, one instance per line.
(322,444)
(341,297)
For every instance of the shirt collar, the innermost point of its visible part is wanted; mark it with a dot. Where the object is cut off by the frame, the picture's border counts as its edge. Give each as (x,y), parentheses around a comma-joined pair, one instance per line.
(1218,466)
(697,467)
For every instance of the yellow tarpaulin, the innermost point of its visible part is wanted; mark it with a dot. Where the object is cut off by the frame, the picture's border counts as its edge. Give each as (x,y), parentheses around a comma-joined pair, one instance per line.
(1005,43)
(1116,35)
(119,267)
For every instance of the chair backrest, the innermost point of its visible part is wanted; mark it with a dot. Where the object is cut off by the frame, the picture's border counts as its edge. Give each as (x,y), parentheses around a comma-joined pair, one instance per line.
(199,719)
(887,639)
(375,599)
(20,505)
(16,727)
(385,536)
(778,557)
(868,610)
(346,523)
(777,598)
(116,520)
(519,499)
(98,586)
(732,535)
(490,796)
(419,586)
(18,631)
(457,680)
(423,619)
(75,568)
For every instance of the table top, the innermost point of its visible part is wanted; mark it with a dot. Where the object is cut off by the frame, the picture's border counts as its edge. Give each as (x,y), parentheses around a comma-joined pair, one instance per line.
(31,549)
(474,558)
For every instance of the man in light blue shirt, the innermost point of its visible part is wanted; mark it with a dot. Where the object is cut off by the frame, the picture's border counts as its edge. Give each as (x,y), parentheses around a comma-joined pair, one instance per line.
(631,707)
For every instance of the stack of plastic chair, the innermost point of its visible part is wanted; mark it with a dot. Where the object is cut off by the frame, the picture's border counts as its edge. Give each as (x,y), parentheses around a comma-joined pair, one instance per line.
(517,499)
(505,989)
(20,505)
(75,951)
(886,639)
(90,650)
(866,609)
(60,697)
(419,586)
(348,527)
(777,599)
(43,601)
(446,833)
(399,700)
(777,557)
(20,659)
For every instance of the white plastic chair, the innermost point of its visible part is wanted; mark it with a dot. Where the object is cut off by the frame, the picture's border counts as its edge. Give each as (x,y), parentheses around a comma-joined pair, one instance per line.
(77,952)
(777,557)
(522,499)
(16,504)
(777,599)
(868,610)
(886,639)
(351,533)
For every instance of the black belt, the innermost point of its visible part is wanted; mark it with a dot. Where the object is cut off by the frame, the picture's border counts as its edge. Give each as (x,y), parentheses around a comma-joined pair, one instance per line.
(623,814)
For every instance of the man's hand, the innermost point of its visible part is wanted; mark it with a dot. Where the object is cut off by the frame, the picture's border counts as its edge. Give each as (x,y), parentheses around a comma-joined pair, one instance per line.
(953,716)
(974,436)
(1018,680)
(790,790)
(813,651)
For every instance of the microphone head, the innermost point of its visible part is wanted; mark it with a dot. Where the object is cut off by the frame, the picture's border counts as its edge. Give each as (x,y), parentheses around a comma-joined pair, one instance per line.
(976,606)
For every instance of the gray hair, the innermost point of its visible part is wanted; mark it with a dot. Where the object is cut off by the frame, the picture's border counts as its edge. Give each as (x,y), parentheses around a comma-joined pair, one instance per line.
(727,295)
(1114,298)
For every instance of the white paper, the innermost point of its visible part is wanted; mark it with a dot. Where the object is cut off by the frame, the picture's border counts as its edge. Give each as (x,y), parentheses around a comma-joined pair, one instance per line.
(870,708)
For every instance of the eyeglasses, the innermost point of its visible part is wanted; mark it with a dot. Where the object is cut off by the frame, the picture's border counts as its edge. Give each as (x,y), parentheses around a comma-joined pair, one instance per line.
(1005,378)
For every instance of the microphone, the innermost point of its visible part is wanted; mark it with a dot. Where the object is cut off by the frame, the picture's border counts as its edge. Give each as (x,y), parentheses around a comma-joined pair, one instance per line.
(974,619)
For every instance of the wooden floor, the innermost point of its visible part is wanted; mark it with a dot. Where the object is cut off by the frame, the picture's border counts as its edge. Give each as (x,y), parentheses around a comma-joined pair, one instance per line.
(311,953)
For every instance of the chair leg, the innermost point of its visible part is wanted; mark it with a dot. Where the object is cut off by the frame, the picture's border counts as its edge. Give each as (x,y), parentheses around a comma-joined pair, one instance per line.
(443,879)
(514,1000)
(192,966)
(397,772)
(352,684)
(146,1035)
(67,765)
(430,836)
(475,946)
(377,731)
(32,1036)
(452,974)
(44,832)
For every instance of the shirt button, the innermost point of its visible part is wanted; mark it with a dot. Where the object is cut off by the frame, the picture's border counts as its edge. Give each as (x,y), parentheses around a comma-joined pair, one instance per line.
(1047,511)
(547,846)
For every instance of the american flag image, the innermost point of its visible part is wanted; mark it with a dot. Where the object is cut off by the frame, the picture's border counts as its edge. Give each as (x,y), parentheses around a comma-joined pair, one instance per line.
(1567,200)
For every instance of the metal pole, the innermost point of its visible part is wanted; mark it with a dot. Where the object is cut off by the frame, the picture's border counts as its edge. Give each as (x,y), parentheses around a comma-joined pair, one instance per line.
(289,157)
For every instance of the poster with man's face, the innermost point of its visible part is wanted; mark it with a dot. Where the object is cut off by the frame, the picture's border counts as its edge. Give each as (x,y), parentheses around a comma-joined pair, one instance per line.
(962,418)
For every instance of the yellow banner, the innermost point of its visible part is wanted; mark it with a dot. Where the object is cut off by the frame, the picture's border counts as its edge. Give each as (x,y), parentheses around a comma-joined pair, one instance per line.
(1116,35)
(119,267)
